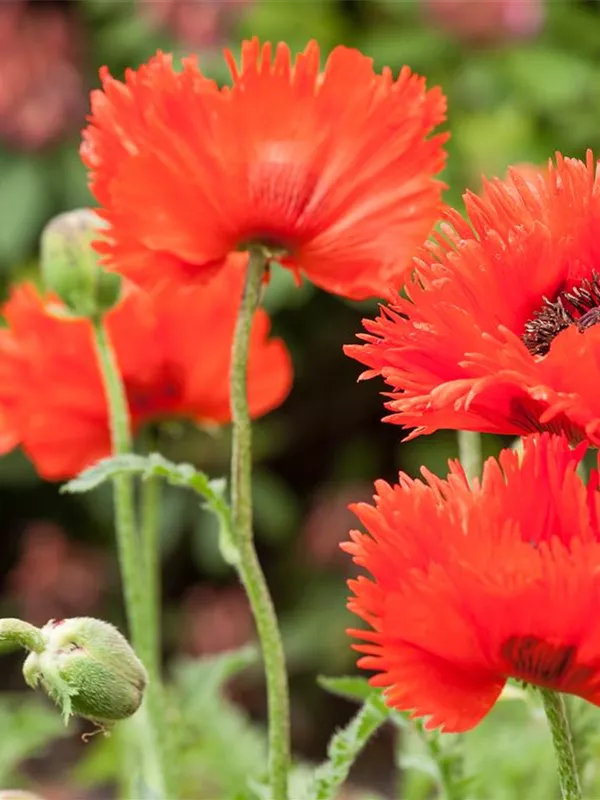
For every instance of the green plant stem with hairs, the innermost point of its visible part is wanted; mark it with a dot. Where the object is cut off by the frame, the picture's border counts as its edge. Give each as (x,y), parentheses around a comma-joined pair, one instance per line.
(568,775)
(248,565)
(150,521)
(139,601)
(470,453)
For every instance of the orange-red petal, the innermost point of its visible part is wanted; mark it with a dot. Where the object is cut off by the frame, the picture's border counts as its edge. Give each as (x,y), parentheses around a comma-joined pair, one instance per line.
(173,350)
(470,585)
(337,167)
(453,351)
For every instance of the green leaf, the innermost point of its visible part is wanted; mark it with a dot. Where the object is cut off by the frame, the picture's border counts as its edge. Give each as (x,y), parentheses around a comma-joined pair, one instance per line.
(207,676)
(350,687)
(27,726)
(346,745)
(276,508)
(184,475)
(221,751)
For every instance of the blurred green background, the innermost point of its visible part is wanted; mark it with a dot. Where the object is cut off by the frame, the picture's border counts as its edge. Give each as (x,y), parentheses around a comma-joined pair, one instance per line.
(523,80)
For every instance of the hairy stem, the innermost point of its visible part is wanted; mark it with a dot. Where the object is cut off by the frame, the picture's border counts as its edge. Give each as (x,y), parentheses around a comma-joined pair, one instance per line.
(470,453)
(150,528)
(21,634)
(137,603)
(568,775)
(248,566)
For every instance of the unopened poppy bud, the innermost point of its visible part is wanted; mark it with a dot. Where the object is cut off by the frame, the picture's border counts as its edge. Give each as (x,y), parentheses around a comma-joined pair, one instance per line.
(89,669)
(70,265)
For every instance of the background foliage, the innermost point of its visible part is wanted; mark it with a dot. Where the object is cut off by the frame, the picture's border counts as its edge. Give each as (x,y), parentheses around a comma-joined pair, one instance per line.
(514,96)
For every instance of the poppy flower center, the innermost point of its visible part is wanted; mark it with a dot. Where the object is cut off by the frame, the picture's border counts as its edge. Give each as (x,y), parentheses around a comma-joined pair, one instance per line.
(152,399)
(579,307)
(536,661)
(281,188)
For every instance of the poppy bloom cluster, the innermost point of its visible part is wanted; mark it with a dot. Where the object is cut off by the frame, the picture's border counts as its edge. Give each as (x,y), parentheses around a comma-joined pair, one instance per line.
(173,351)
(498,330)
(332,172)
(472,585)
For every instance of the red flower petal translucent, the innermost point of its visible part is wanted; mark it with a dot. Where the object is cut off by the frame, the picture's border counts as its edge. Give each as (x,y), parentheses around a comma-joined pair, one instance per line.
(455,351)
(173,349)
(334,168)
(472,585)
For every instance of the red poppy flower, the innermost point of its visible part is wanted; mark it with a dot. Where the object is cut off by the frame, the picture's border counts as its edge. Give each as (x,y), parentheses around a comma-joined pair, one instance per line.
(173,351)
(498,332)
(332,172)
(471,586)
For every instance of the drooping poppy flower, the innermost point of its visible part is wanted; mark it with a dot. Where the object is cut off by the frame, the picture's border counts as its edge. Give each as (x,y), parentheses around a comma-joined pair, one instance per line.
(332,172)
(472,585)
(173,350)
(498,330)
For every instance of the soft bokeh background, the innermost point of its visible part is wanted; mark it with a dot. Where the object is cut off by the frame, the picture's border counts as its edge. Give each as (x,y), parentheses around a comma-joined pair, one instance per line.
(523,80)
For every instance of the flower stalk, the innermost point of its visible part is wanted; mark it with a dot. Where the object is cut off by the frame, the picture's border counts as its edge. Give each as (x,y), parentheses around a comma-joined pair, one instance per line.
(248,566)
(150,520)
(138,600)
(470,453)
(568,775)
(16,633)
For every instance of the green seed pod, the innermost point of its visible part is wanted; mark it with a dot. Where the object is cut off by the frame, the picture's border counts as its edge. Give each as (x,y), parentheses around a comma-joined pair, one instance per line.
(89,669)
(70,266)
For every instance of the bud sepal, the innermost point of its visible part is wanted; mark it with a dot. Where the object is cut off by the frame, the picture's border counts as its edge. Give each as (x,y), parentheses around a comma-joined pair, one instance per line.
(88,669)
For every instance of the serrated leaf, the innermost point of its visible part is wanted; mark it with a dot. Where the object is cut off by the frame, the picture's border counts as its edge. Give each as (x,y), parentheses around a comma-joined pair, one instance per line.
(421,763)
(186,476)
(350,687)
(206,676)
(345,746)
(219,743)
(27,726)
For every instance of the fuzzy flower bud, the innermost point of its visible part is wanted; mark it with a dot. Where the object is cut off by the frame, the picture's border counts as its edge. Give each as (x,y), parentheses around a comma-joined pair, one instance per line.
(89,669)
(70,265)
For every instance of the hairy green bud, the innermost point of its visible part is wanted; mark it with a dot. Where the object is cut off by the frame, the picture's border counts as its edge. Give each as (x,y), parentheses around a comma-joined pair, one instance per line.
(89,669)
(70,265)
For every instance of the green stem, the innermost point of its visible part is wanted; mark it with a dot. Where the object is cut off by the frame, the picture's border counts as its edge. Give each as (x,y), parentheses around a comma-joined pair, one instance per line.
(470,453)
(21,634)
(449,763)
(568,776)
(139,613)
(124,498)
(151,559)
(248,566)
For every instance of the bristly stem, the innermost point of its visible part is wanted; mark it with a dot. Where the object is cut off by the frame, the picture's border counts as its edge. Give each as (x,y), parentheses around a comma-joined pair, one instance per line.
(150,552)
(470,453)
(568,775)
(248,566)
(124,498)
(137,604)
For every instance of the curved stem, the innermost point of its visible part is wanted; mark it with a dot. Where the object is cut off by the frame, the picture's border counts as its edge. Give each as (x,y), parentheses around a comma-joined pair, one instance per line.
(470,453)
(21,634)
(248,566)
(568,775)
(139,613)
